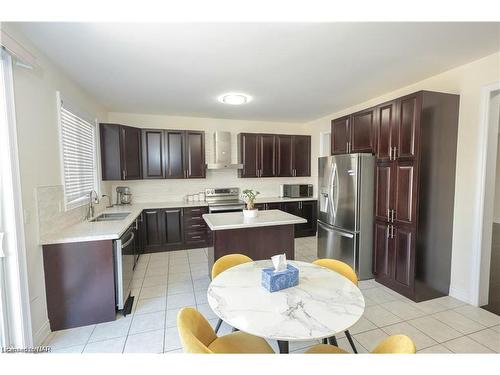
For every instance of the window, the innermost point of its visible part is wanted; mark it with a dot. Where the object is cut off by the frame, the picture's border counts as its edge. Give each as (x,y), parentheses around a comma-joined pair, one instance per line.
(78,149)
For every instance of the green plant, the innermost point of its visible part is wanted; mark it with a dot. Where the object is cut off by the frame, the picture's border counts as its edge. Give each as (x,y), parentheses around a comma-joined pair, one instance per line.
(250,196)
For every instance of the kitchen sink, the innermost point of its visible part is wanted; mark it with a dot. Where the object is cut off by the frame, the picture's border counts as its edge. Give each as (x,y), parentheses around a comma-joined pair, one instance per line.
(111,217)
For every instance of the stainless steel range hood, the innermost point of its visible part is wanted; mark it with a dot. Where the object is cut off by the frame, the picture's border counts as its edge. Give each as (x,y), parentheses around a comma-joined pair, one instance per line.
(222,152)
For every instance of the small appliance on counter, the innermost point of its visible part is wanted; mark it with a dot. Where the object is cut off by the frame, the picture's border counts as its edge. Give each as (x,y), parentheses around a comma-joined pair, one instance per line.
(123,195)
(296,190)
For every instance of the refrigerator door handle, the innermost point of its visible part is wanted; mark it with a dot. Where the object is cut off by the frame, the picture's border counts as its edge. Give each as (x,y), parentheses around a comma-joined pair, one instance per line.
(339,232)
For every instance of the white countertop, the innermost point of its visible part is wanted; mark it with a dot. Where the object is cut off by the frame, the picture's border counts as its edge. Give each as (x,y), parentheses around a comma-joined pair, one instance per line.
(236,220)
(323,304)
(282,199)
(111,230)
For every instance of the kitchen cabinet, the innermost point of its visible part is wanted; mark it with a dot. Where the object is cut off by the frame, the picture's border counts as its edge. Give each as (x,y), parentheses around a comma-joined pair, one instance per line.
(195,154)
(416,138)
(267,155)
(306,210)
(121,156)
(172,226)
(153,239)
(353,133)
(129,153)
(274,155)
(195,228)
(153,154)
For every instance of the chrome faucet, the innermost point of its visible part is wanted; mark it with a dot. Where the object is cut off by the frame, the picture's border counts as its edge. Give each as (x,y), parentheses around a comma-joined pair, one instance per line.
(109,200)
(92,200)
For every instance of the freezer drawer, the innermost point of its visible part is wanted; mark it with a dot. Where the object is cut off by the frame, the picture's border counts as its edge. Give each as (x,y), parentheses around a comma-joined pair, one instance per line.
(336,244)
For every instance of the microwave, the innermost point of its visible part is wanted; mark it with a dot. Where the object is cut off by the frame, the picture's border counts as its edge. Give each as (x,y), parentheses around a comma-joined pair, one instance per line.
(297,190)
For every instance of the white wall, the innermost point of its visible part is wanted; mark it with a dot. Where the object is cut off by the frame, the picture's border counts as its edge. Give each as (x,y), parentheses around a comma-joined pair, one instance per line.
(496,210)
(467,81)
(37,134)
(160,190)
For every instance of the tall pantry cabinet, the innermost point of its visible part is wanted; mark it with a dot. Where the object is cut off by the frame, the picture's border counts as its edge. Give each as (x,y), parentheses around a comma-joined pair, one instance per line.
(415,150)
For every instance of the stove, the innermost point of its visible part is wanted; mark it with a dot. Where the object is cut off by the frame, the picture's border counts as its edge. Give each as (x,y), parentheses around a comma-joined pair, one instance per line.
(224,200)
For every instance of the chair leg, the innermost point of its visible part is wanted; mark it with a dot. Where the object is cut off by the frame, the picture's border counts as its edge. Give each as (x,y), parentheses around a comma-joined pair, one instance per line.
(217,327)
(348,335)
(333,340)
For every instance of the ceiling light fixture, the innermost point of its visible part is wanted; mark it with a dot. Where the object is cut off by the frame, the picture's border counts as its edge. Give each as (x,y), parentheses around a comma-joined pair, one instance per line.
(234,98)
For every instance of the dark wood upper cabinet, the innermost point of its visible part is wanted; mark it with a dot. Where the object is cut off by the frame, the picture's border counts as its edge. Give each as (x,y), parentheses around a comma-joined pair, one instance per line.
(301,153)
(274,155)
(195,154)
(267,155)
(285,145)
(153,165)
(248,155)
(385,130)
(362,129)
(408,126)
(405,194)
(121,156)
(340,135)
(174,154)
(131,151)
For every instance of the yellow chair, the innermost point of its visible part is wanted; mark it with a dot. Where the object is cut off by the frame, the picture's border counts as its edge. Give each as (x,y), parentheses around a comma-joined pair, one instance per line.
(197,336)
(224,263)
(397,344)
(346,271)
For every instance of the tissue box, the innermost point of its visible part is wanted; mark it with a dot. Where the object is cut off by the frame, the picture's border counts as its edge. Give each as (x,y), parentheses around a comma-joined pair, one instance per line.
(274,281)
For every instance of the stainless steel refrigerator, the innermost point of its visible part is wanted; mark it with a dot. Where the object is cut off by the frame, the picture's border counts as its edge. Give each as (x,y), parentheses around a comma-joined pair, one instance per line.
(345,210)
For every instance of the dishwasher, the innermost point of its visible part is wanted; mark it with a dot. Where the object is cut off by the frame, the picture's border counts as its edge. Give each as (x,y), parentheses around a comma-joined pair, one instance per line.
(124,253)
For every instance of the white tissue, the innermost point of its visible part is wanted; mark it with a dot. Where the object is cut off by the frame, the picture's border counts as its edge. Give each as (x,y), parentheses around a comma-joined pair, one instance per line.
(279,262)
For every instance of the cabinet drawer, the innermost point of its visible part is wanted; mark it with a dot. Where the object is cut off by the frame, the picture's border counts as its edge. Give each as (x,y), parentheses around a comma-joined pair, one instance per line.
(196,225)
(195,236)
(195,211)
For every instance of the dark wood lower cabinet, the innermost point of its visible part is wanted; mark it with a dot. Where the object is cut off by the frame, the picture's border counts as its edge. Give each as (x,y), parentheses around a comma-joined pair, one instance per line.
(79,283)
(304,209)
(172,227)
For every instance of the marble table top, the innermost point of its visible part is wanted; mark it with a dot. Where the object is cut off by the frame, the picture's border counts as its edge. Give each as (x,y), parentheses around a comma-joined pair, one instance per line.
(323,304)
(236,220)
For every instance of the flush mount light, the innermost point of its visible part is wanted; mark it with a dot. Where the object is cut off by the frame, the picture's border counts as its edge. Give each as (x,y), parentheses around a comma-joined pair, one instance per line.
(234,98)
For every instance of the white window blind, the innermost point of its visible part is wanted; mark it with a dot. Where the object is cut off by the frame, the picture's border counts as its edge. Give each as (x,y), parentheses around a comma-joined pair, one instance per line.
(78,138)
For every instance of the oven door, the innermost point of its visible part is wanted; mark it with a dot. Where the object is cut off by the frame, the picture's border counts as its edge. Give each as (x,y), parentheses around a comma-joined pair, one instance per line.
(225,208)
(125,249)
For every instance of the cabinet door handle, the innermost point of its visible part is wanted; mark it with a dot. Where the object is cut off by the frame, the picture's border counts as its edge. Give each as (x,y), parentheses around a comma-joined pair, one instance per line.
(195,237)
(392,231)
(390,153)
(395,153)
(392,215)
(388,214)
(387,232)
(195,225)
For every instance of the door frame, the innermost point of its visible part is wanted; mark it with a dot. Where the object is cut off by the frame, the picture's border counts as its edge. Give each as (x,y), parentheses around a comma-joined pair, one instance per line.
(17,306)
(481,249)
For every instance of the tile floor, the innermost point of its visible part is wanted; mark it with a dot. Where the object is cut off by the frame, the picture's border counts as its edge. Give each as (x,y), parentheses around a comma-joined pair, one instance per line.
(165,282)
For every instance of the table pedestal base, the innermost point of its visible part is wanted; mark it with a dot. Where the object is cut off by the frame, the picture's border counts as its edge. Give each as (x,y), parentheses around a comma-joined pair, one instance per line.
(283,345)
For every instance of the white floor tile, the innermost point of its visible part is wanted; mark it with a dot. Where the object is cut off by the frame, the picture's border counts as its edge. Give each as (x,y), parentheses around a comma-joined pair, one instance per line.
(180,300)
(370,339)
(297,345)
(147,342)
(403,310)
(458,321)
(150,305)
(106,346)
(362,325)
(466,345)
(449,302)
(379,295)
(344,344)
(172,339)
(201,283)
(111,330)
(179,277)
(380,316)
(153,291)
(71,337)
(147,322)
(368,284)
(436,349)
(201,297)
(488,338)
(435,329)
(420,339)
(180,287)
(69,350)
(155,281)
(496,328)
(479,315)
(173,269)
(159,271)
(431,306)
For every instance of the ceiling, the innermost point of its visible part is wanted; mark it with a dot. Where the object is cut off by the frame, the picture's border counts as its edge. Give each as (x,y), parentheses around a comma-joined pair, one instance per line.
(295,71)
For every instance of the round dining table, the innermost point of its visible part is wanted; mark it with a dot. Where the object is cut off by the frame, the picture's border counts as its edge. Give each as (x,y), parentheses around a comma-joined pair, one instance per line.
(323,303)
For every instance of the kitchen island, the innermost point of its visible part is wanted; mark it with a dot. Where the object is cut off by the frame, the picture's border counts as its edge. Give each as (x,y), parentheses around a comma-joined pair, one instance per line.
(268,234)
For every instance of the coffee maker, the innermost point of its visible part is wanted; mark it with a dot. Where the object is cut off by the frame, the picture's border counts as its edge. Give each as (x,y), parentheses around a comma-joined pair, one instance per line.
(123,195)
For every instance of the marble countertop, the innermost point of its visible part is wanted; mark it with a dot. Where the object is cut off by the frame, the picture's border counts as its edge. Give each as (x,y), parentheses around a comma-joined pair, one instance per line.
(323,304)
(110,230)
(236,220)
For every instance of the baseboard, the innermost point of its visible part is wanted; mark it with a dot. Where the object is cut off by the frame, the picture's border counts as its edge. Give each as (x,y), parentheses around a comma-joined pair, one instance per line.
(41,335)
(459,294)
